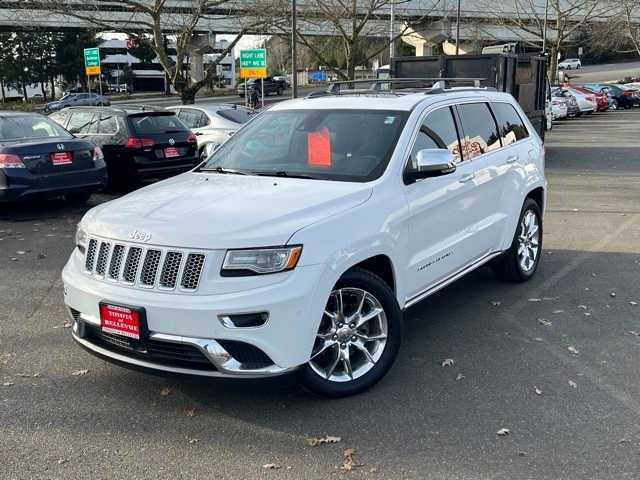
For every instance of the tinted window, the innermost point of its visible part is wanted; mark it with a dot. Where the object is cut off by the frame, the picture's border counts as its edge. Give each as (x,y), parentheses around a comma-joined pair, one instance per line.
(346,145)
(83,122)
(236,115)
(108,124)
(510,124)
(29,126)
(438,130)
(480,134)
(150,124)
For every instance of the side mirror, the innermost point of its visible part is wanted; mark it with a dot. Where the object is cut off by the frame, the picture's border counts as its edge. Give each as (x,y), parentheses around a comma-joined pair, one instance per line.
(432,162)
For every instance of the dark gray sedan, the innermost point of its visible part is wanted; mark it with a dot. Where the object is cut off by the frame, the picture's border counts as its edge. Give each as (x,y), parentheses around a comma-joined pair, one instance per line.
(77,100)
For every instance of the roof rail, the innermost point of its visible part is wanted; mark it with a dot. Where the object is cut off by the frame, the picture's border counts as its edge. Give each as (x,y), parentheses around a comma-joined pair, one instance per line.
(378,84)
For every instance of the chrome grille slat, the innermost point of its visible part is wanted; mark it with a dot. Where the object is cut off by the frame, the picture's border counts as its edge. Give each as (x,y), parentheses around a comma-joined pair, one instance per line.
(103,256)
(145,267)
(116,261)
(170,270)
(131,264)
(149,270)
(192,271)
(91,255)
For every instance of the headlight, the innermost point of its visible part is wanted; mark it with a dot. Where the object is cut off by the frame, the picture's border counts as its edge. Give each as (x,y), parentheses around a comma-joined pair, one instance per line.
(259,261)
(81,239)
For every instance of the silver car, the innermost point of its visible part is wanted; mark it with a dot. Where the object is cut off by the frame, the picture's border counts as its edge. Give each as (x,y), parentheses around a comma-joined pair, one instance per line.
(212,124)
(77,100)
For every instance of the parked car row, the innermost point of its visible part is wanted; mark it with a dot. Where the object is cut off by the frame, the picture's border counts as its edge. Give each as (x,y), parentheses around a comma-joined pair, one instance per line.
(78,150)
(569,101)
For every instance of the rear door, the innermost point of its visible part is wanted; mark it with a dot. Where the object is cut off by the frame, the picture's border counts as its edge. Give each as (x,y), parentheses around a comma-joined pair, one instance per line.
(482,147)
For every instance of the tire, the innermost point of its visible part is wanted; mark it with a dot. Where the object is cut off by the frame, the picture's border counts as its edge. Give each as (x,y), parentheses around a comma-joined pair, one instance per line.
(510,266)
(279,91)
(77,198)
(327,373)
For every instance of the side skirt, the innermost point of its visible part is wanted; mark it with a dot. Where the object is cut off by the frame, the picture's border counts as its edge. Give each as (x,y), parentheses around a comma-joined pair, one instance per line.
(455,276)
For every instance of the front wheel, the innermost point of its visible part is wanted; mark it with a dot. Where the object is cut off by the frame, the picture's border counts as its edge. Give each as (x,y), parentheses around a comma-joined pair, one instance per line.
(520,262)
(358,338)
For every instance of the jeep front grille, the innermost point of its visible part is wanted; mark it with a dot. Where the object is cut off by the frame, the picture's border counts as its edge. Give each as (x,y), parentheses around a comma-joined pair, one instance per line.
(144,267)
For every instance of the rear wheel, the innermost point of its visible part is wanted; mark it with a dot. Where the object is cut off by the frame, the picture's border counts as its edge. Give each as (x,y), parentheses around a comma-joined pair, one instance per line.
(77,198)
(358,338)
(520,262)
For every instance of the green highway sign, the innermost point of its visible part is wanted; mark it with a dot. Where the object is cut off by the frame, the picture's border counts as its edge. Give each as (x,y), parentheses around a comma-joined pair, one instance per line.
(253,63)
(92,61)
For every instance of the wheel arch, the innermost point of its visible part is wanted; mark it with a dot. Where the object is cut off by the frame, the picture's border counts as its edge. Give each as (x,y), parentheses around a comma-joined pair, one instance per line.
(538,194)
(380,265)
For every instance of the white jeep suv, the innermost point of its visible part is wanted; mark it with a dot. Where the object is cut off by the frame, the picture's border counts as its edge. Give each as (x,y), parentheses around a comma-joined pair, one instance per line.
(298,244)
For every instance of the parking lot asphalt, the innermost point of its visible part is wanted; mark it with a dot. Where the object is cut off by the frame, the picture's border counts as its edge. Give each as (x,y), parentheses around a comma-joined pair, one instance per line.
(554,361)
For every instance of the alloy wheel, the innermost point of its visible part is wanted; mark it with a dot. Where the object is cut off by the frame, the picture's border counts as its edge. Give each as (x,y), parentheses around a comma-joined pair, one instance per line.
(352,335)
(528,241)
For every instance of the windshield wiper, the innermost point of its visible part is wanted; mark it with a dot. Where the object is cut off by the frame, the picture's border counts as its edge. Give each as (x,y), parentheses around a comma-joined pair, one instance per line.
(220,169)
(283,173)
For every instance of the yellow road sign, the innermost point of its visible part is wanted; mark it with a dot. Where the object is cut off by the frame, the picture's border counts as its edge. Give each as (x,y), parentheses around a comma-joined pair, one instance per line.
(93,70)
(253,72)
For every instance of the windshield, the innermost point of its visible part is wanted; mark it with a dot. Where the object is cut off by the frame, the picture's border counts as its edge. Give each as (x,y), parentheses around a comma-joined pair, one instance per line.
(30,127)
(345,145)
(236,115)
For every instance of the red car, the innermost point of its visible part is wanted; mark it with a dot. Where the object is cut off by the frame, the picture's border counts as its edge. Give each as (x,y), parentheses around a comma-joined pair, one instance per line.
(601,98)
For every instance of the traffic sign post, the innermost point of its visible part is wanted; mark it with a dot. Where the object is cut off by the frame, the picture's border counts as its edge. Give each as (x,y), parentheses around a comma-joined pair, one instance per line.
(253,64)
(92,64)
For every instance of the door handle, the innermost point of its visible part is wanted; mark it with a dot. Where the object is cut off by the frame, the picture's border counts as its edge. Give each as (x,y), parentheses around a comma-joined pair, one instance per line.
(512,158)
(466,178)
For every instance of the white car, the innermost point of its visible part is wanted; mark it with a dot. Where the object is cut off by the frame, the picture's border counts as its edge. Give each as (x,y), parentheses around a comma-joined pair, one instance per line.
(212,124)
(570,64)
(586,103)
(559,108)
(301,241)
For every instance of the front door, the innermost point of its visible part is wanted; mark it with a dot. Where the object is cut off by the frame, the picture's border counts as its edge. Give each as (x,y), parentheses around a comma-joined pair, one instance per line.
(440,209)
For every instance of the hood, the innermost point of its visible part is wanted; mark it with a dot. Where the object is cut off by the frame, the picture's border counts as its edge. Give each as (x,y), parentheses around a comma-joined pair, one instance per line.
(219,211)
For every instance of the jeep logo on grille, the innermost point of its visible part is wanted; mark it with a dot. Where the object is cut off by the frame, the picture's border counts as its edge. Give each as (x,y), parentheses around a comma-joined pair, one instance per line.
(139,236)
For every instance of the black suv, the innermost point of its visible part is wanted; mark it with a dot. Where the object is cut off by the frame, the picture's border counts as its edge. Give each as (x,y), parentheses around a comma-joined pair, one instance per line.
(270,86)
(138,143)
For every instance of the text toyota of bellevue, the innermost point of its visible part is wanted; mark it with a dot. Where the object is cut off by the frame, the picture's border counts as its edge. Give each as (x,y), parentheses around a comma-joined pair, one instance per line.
(298,244)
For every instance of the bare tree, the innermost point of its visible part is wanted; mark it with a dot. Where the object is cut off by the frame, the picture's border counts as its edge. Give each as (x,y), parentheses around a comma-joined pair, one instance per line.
(171,28)
(354,23)
(526,18)
(631,11)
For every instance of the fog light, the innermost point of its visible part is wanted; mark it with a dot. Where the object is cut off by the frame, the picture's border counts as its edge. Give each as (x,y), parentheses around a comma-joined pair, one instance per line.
(244,320)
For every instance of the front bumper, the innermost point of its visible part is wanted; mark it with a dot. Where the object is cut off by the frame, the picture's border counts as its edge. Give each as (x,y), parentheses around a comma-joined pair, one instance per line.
(294,306)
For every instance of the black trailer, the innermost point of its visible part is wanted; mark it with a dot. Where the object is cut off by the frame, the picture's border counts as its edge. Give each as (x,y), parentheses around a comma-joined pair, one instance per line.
(523,76)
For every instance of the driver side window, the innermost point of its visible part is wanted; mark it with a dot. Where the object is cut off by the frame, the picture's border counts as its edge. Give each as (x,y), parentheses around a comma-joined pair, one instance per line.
(438,130)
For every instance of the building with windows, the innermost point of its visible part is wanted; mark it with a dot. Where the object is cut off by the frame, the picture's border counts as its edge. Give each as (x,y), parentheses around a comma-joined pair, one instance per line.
(121,67)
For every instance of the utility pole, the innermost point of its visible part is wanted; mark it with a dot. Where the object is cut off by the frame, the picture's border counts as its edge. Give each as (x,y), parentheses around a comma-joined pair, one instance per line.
(294,60)
(458,29)
(391,33)
(544,29)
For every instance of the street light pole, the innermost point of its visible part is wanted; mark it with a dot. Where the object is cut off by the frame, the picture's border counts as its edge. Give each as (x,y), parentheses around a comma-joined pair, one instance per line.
(544,28)
(458,29)
(294,60)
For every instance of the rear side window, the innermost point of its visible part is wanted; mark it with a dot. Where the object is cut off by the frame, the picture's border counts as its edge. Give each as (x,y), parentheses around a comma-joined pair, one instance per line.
(236,115)
(480,131)
(83,122)
(150,124)
(192,118)
(510,124)
(108,124)
(438,130)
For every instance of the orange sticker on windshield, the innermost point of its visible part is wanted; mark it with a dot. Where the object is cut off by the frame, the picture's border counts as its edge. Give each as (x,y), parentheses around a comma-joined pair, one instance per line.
(319,148)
